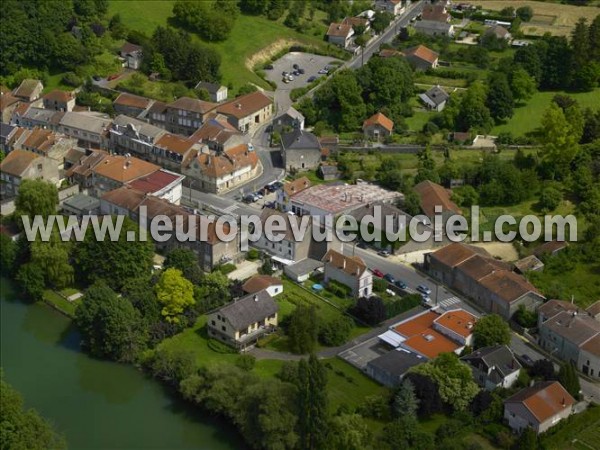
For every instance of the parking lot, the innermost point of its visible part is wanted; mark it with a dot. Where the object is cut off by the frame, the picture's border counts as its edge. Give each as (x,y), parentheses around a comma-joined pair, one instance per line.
(309,62)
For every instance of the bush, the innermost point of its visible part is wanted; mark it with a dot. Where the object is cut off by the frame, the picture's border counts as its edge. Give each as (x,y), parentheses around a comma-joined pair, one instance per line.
(245,362)
(226,268)
(253,254)
(338,289)
(71,79)
(525,318)
(379,284)
(335,332)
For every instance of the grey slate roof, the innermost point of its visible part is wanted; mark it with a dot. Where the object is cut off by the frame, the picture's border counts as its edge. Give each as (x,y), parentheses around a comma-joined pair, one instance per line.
(212,88)
(249,309)
(39,114)
(140,126)
(294,114)
(6,129)
(306,266)
(86,122)
(436,95)
(82,202)
(396,362)
(301,140)
(498,357)
(433,25)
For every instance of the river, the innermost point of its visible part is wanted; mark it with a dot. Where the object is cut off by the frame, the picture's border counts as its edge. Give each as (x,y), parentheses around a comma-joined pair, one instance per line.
(95,404)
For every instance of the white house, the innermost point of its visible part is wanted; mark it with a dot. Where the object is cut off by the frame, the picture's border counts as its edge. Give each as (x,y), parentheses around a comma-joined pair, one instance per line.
(350,271)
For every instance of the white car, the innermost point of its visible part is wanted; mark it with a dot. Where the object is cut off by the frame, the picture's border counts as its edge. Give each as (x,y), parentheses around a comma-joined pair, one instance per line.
(390,292)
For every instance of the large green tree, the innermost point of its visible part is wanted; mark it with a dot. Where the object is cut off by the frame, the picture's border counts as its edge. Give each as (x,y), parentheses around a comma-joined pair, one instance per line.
(312,402)
(303,329)
(341,102)
(348,431)
(406,402)
(114,261)
(185,260)
(24,429)
(52,259)
(454,380)
(499,97)
(522,84)
(491,330)
(36,197)
(473,113)
(175,293)
(559,137)
(567,375)
(110,326)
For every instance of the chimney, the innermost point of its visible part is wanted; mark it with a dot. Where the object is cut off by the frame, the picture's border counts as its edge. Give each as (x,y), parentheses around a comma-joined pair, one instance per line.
(255,297)
(563,402)
(238,105)
(344,263)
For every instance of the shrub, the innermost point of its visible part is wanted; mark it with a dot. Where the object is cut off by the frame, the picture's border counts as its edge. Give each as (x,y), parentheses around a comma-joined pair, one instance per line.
(379,284)
(335,332)
(71,79)
(253,254)
(226,268)
(245,362)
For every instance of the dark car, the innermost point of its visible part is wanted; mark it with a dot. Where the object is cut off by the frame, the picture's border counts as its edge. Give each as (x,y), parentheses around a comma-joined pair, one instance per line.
(525,360)
(383,253)
(284,74)
(296,66)
(97,77)
(378,273)
(301,70)
(269,67)
(361,244)
(295,73)
(311,79)
(249,198)
(389,278)
(401,284)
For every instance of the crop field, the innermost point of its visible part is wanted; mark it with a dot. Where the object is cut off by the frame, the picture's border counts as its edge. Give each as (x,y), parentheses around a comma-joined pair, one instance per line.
(550,17)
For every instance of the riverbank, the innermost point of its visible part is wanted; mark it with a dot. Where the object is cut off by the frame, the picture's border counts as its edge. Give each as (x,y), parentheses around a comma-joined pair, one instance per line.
(95,404)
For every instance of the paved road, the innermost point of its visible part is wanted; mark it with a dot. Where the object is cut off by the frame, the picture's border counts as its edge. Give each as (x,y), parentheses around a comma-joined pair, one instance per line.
(439,294)
(387,36)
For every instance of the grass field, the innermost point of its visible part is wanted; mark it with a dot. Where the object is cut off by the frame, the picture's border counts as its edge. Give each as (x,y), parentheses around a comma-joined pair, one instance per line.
(555,18)
(60,303)
(527,118)
(249,36)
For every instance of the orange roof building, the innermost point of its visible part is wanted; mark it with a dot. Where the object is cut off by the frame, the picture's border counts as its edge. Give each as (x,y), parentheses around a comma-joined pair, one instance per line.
(379,120)
(258,283)
(421,57)
(538,407)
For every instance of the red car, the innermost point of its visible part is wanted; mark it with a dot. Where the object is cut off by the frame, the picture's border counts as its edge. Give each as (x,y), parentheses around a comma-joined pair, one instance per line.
(378,273)
(113,77)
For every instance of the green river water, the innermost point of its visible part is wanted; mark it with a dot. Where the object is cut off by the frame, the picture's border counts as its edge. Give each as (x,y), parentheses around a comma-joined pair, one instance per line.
(95,404)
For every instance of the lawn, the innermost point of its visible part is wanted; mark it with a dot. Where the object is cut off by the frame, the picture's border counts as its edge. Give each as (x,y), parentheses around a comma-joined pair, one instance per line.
(418,120)
(527,118)
(249,36)
(63,305)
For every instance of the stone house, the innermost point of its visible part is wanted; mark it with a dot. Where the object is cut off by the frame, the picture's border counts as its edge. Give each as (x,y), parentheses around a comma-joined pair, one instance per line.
(132,54)
(395,7)
(378,127)
(434,28)
(340,34)
(292,119)
(182,116)
(132,105)
(242,322)
(421,57)
(493,367)
(301,150)
(59,100)
(351,271)
(217,92)
(435,98)
(538,407)
(29,90)
(284,195)
(288,249)
(248,112)
(21,165)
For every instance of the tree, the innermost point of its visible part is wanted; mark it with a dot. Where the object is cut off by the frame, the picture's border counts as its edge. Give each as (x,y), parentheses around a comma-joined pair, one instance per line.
(336,331)
(341,102)
(426,390)
(403,434)
(110,326)
(140,292)
(8,255)
(348,431)
(544,369)
(31,280)
(186,261)
(525,13)
(254,7)
(499,98)
(594,39)
(406,402)
(36,197)
(412,203)
(454,380)
(473,112)
(175,292)
(559,139)
(302,330)
(550,198)
(21,428)
(567,375)
(114,261)
(580,46)
(522,84)
(491,330)
(370,310)
(212,292)
(312,403)
(381,21)
(52,259)
(525,317)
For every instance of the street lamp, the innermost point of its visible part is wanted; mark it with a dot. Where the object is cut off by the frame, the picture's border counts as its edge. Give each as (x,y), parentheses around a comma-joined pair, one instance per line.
(190,188)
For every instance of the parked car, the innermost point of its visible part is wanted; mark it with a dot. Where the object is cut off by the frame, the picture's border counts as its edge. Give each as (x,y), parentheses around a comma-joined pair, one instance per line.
(389,277)
(286,80)
(383,253)
(311,79)
(423,289)
(378,273)
(114,76)
(426,300)
(249,198)
(269,67)
(97,77)
(323,71)
(295,73)
(284,74)
(361,244)
(296,66)
(401,284)
(301,71)
(525,360)
(258,195)
(390,292)
(290,77)
(270,205)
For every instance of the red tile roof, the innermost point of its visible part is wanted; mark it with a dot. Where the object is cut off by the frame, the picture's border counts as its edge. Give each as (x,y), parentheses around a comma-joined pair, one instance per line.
(192,104)
(423,53)
(155,181)
(59,96)
(339,30)
(245,105)
(175,144)
(544,400)
(432,195)
(379,119)
(422,337)
(459,321)
(437,13)
(352,265)
(124,169)
(227,162)
(298,185)
(259,282)
(17,161)
(132,101)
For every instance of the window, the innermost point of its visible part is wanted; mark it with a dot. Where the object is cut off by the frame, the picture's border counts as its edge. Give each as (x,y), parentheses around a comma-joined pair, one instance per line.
(212,322)
(218,316)
(223,328)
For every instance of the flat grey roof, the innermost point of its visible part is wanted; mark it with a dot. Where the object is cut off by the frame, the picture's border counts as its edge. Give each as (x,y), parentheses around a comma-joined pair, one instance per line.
(82,202)
(306,266)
